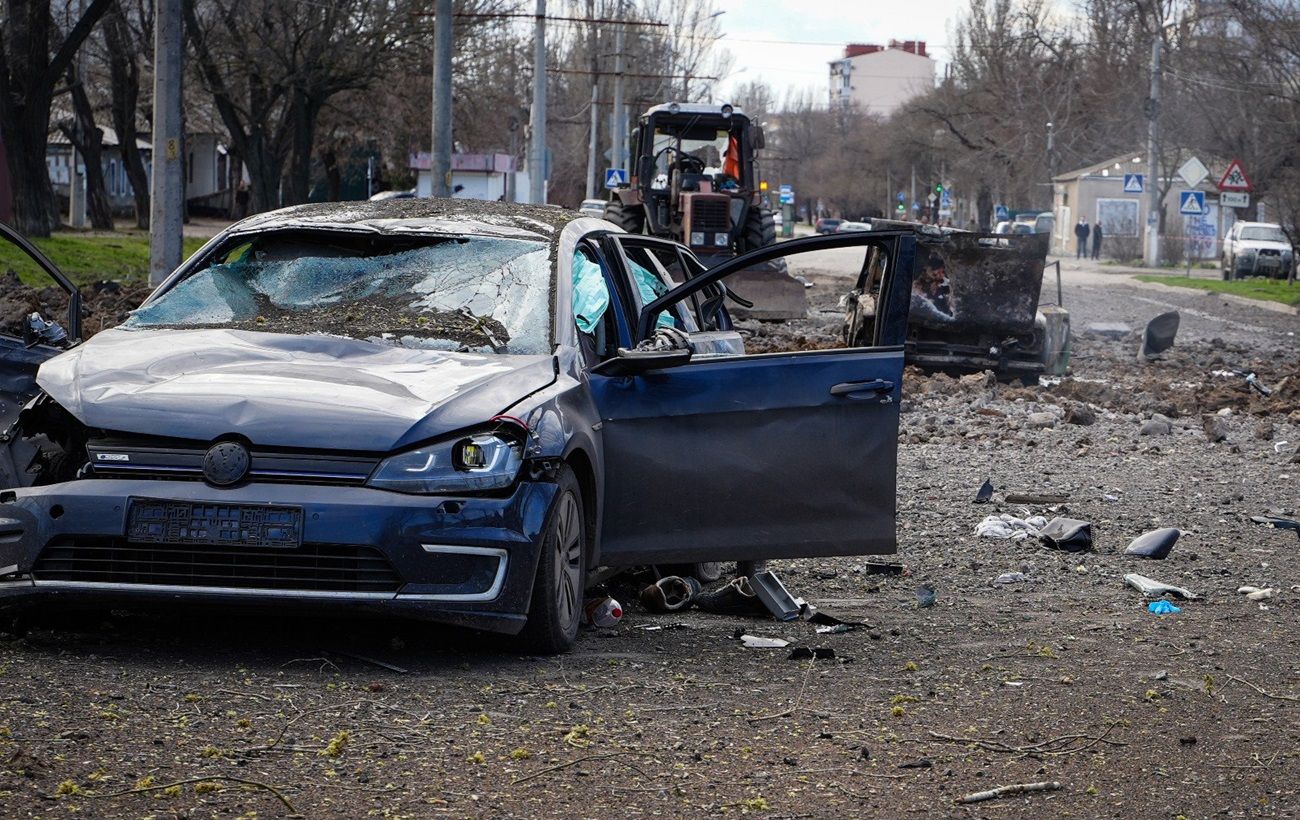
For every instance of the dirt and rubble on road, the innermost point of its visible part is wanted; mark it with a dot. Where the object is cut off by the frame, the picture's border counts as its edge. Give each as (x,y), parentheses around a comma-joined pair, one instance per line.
(103,304)
(1031,667)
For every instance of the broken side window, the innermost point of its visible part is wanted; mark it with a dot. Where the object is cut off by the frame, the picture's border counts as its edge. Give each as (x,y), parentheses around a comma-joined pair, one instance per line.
(476,294)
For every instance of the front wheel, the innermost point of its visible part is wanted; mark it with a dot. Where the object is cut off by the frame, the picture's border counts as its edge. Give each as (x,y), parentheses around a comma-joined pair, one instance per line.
(556,607)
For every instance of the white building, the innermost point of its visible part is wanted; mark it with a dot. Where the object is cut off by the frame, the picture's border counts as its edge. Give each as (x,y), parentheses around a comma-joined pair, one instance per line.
(879,79)
(473,176)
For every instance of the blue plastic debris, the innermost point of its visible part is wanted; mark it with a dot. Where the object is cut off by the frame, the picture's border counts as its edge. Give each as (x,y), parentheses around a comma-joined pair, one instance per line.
(1162,608)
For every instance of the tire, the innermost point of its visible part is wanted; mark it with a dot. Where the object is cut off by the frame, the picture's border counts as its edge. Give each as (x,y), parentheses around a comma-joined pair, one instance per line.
(556,607)
(629,218)
(706,572)
(759,232)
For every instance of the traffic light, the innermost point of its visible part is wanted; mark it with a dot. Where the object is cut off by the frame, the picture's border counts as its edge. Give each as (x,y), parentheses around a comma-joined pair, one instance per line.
(938,188)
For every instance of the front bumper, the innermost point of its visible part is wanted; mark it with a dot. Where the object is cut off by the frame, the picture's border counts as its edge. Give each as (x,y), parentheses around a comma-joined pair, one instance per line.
(415,549)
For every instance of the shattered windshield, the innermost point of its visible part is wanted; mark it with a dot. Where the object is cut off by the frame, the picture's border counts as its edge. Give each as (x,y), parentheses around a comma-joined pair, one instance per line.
(477,294)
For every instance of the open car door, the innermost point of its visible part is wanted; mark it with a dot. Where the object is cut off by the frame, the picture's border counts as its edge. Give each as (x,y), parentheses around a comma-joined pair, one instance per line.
(34,327)
(743,455)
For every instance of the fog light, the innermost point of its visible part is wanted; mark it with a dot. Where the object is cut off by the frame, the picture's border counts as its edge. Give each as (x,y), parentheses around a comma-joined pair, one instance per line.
(697,237)
(720,240)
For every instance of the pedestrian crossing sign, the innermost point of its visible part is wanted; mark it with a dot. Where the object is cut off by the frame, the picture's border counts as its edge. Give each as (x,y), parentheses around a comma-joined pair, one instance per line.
(1133,183)
(1191,203)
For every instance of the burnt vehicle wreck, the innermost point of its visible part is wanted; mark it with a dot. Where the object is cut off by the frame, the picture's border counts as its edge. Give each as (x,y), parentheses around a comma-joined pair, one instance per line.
(437,409)
(975,307)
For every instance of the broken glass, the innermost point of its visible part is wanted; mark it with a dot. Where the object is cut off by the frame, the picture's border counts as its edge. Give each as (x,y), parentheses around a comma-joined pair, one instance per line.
(473,293)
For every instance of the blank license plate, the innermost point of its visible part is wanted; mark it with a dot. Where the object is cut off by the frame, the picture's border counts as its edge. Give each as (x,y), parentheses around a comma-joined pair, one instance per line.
(185,522)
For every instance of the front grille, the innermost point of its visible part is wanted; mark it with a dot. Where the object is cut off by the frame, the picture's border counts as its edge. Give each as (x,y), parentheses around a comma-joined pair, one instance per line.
(309,568)
(183,460)
(710,215)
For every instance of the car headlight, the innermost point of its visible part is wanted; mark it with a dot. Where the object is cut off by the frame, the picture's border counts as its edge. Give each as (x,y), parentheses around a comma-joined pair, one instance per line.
(697,238)
(1247,251)
(479,462)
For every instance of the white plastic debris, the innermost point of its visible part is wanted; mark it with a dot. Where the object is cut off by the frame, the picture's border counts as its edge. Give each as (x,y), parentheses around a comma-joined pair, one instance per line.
(1008,526)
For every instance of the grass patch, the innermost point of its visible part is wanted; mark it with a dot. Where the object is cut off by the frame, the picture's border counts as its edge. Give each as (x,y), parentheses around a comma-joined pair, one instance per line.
(121,257)
(1271,290)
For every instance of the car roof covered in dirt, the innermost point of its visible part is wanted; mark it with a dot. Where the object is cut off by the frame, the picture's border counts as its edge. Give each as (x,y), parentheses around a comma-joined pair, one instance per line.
(418,216)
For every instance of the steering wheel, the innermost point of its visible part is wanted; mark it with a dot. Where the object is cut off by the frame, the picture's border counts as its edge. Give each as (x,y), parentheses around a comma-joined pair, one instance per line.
(686,163)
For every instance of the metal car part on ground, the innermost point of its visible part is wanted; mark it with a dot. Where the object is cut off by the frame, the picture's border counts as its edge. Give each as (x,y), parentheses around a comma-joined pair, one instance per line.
(695,179)
(395,407)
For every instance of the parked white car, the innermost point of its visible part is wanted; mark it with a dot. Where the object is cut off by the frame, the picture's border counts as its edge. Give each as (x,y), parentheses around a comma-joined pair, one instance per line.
(592,207)
(1257,249)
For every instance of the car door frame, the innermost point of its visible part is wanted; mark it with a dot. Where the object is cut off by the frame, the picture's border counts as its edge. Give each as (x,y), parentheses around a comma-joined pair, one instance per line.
(73,319)
(657,429)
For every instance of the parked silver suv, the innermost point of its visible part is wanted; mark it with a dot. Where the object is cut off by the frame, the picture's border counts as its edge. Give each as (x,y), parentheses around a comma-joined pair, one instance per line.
(1256,249)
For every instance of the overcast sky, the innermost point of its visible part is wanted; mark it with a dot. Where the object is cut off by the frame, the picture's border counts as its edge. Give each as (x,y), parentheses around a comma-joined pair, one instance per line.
(788,44)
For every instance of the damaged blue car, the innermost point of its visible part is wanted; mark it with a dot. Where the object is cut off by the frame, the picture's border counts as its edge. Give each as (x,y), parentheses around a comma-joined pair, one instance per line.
(453,411)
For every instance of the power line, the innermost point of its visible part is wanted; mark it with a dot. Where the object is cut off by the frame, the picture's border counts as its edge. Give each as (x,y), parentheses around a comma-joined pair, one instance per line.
(523,15)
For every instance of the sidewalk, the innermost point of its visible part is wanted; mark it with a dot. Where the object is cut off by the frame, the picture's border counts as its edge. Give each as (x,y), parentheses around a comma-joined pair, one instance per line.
(1069,263)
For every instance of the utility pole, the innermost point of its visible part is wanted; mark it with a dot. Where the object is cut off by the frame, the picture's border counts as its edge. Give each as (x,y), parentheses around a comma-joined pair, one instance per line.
(1152,255)
(618,135)
(593,138)
(440,146)
(591,144)
(913,211)
(167,199)
(537,153)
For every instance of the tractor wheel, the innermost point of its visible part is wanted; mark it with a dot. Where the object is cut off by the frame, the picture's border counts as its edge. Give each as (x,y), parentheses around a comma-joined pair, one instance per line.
(629,218)
(760,231)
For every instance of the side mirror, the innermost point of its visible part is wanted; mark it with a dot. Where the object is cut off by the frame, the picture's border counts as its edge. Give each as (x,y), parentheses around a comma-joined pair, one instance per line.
(756,139)
(631,362)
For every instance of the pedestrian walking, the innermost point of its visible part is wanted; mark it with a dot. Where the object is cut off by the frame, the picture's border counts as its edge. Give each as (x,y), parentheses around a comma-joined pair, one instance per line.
(1096,241)
(1081,232)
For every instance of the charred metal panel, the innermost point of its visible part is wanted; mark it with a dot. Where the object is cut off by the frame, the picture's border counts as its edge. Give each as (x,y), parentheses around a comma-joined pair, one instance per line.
(968,283)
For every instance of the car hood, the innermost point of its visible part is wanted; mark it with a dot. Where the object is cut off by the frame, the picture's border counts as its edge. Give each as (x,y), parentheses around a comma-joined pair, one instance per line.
(282,390)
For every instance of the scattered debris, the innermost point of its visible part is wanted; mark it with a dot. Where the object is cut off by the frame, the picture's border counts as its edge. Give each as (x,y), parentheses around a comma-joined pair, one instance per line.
(774,595)
(1159,335)
(830,625)
(925,595)
(985,493)
(1037,498)
(1008,526)
(602,612)
(1108,330)
(391,667)
(658,627)
(1256,593)
(919,763)
(1277,523)
(670,593)
(758,642)
(1041,420)
(736,597)
(1069,534)
(881,568)
(1157,425)
(803,653)
(1011,578)
(1080,414)
(1005,791)
(1162,608)
(1152,588)
(1253,381)
(1155,544)
(1215,426)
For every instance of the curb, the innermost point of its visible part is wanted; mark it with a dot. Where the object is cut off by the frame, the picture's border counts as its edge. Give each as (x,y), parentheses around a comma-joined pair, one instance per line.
(1274,307)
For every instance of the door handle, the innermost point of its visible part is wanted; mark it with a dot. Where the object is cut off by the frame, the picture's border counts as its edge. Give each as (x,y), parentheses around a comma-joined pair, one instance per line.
(875,388)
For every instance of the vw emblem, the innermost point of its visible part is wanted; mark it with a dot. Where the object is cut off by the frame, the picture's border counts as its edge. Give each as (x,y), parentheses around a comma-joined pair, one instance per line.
(226,463)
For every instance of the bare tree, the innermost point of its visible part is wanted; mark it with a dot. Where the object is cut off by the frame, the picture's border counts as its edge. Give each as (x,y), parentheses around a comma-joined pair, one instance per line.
(35,55)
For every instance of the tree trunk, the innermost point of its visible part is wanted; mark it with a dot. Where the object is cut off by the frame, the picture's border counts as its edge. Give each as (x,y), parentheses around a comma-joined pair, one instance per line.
(984,206)
(304,116)
(33,195)
(88,139)
(333,175)
(27,77)
(124,82)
